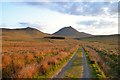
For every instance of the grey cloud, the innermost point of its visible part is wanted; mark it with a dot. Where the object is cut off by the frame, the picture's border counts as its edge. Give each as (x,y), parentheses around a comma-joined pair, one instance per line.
(97,24)
(87,23)
(35,25)
(104,24)
(71,0)
(113,8)
(24,24)
(78,8)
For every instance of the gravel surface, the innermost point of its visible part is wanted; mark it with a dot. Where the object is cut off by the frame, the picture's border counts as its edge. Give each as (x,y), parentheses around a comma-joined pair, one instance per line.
(86,71)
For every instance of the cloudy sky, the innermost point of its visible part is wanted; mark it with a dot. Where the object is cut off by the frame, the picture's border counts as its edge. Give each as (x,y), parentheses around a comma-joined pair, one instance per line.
(98,18)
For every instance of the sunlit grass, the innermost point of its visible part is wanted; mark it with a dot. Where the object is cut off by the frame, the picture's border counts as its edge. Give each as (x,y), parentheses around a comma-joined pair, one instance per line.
(95,70)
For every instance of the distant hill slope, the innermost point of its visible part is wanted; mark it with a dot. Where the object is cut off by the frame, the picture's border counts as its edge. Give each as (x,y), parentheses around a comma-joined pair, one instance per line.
(106,39)
(71,32)
(21,33)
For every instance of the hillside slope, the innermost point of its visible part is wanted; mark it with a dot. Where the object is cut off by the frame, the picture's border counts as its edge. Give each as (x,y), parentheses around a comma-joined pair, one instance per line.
(21,33)
(106,39)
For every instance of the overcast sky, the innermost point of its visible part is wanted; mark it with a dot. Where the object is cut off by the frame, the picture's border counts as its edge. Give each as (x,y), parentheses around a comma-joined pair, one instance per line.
(98,18)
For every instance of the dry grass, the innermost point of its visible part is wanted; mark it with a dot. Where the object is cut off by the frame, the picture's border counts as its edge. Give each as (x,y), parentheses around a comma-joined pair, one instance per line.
(25,59)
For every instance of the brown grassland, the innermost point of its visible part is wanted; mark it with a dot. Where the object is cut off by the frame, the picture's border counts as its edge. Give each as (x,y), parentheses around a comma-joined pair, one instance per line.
(26,59)
(25,56)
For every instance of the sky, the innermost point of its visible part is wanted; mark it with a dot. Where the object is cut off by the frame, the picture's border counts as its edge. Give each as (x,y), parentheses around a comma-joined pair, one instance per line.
(97,18)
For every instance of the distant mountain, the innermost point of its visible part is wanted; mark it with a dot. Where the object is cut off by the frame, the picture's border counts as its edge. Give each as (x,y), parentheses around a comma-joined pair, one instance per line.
(22,33)
(20,29)
(71,32)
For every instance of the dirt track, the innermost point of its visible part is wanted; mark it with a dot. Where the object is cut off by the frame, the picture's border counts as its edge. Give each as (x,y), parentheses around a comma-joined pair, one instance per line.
(86,71)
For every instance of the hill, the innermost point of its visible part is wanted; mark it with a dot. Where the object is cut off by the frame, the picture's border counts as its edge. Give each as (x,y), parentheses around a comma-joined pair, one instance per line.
(71,32)
(21,33)
(106,39)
